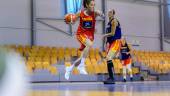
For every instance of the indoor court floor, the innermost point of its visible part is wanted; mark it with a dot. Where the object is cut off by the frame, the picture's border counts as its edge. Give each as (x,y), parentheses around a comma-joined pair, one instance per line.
(147,88)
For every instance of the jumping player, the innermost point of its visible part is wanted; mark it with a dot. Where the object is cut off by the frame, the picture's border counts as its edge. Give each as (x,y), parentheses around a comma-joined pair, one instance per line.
(85,35)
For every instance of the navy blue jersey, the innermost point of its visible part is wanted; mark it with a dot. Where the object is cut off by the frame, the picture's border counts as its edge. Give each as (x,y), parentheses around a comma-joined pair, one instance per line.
(117,34)
(124,50)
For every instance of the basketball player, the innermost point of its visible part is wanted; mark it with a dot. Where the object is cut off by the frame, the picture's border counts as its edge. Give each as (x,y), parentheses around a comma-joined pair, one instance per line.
(85,34)
(126,59)
(113,36)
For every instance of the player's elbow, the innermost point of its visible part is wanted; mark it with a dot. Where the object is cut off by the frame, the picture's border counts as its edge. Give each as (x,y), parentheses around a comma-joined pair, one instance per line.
(112,33)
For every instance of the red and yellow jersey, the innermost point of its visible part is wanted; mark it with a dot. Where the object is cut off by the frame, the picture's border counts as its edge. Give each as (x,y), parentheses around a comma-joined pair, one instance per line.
(87,24)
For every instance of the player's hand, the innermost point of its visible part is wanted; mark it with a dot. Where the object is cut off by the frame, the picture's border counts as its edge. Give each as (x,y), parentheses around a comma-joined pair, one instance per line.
(68,22)
(104,36)
(70,18)
(99,13)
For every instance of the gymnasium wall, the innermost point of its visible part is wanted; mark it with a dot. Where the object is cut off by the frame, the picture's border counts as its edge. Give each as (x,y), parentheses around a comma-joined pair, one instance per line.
(14,22)
(140,23)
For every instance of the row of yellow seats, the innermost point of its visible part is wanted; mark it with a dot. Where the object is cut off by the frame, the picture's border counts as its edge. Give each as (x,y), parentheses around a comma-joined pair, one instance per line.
(151,53)
(28,50)
(153,56)
(157,65)
(92,50)
(51,60)
(31,66)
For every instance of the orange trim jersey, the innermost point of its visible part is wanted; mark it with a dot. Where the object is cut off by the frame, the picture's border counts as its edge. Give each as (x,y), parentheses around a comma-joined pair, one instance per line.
(86,28)
(87,25)
(114,46)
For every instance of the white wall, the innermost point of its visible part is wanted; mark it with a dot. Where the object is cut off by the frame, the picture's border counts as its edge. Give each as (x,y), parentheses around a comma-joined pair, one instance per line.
(14,22)
(139,22)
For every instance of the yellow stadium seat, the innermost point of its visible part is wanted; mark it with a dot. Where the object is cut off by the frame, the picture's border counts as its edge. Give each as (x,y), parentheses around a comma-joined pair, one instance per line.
(40,54)
(38,58)
(73,52)
(29,69)
(90,69)
(35,48)
(92,56)
(46,64)
(38,65)
(75,71)
(135,70)
(46,58)
(67,64)
(61,57)
(53,55)
(101,67)
(117,71)
(53,60)
(67,58)
(97,69)
(78,53)
(93,62)
(31,58)
(88,62)
(53,70)
(98,57)
(30,63)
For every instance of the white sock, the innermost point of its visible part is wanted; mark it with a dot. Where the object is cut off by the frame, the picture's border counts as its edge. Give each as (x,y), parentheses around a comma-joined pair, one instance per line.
(124,72)
(130,70)
(131,76)
(82,62)
(124,77)
(71,67)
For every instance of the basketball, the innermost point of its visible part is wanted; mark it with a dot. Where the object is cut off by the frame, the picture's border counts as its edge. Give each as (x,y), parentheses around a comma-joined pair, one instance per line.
(70,18)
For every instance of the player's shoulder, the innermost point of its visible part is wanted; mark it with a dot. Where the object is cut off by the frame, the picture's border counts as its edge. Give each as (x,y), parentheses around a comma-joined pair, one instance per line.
(114,21)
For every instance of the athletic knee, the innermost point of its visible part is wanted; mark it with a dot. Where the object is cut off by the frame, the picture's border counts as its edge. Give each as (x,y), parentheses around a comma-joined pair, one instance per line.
(129,67)
(109,57)
(89,43)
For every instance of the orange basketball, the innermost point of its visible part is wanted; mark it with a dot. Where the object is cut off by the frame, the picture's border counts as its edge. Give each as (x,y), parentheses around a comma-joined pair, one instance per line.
(70,18)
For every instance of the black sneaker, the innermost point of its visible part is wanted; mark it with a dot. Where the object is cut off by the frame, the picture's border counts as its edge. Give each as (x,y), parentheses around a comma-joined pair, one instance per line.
(109,81)
(124,80)
(131,79)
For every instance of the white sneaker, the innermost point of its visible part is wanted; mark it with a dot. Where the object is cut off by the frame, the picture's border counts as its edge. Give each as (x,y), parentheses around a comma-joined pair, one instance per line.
(82,70)
(67,73)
